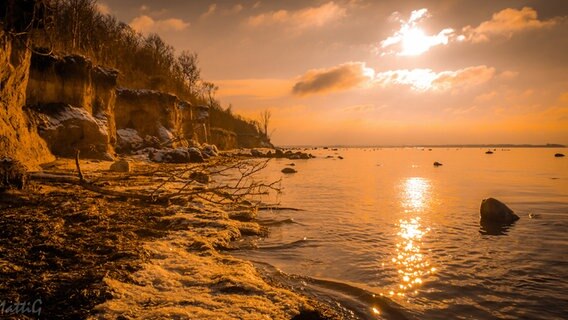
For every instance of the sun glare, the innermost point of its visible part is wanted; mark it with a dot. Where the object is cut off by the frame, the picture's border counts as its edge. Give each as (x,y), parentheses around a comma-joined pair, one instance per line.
(414,42)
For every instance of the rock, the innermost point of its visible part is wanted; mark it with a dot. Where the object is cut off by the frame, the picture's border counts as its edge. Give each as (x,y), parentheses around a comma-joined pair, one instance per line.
(256,153)
(120,166)
(289,170)
(291,164)
(200,177)
(279,153)
(179,155)
(195,155)
(128,140)
(488,152)
(437,164)
(210,150)
(340,157)
(12,174)
(559,155)
(66,128)
(495,211)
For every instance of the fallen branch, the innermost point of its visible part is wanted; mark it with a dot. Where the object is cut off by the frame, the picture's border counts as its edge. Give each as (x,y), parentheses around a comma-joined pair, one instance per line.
(273,208)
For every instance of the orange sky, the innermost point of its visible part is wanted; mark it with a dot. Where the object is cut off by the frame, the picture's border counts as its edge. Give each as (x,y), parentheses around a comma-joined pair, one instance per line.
(359,72)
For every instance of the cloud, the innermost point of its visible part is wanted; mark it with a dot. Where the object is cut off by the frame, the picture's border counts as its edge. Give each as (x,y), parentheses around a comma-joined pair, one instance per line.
(103,8)
(428,80)
(210,10)
(304,18)
(146,24)
(410,40)
(235,9)
(342,77)
(356,74)
(363,108)
(214,8)
(507,22)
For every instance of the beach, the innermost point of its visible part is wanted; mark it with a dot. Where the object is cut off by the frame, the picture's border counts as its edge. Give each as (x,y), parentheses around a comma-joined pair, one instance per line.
(86,255)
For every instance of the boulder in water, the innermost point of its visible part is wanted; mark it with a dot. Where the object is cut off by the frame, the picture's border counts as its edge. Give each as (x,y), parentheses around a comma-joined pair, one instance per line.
(559,155)
(495,211)
(437,164)
(289,170)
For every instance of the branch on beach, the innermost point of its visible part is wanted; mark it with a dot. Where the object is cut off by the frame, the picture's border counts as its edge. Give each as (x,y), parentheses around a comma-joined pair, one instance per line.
(236,182)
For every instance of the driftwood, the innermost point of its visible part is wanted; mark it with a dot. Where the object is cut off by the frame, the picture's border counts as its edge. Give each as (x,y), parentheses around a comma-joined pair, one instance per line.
(57,178)
(238,183)
(277,208)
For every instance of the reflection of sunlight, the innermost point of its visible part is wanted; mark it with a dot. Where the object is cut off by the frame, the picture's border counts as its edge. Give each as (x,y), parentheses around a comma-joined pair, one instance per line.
(411,264)
(415,194)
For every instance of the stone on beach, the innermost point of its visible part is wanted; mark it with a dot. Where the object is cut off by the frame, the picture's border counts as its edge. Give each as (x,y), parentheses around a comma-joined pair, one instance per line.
(495,211)
(120,166)
(437,164)
(12,174)
(559,155)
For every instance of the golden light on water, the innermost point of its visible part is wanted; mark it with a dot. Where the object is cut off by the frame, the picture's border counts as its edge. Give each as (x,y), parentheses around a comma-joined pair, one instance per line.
(410,262)
(415,194)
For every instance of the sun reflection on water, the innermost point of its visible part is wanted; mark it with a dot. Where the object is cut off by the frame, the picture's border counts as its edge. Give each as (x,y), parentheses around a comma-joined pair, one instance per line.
(412,265)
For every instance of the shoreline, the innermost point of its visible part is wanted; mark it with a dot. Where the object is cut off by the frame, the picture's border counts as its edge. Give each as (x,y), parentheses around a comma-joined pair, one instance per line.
(87,255)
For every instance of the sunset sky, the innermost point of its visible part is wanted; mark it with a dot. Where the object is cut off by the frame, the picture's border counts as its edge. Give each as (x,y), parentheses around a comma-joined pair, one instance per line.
(365,72)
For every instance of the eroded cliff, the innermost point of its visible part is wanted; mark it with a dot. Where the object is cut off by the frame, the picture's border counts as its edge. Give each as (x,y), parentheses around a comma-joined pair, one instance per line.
(18,134)
(73,102)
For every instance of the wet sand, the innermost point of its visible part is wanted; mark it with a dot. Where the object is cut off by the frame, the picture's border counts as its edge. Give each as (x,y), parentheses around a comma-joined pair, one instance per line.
(84,255)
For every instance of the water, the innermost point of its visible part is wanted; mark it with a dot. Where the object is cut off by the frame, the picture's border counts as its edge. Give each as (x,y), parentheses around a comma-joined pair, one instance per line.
(384,228)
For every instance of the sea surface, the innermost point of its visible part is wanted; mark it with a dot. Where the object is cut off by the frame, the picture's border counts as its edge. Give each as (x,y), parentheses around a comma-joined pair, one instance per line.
(384,234)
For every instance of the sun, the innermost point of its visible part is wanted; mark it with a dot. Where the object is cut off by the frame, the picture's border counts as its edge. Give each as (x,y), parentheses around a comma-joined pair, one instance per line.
(415,42)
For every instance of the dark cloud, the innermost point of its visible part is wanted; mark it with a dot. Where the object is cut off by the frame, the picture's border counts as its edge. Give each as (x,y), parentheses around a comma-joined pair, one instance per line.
(338,78)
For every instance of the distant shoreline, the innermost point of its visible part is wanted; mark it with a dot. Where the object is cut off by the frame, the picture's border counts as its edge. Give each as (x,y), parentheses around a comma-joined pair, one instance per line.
(550,145)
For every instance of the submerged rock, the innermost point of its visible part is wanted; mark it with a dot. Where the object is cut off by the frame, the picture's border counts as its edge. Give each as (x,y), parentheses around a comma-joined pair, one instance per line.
(120,166)
(437,164)
(495,211)
(559,155)
(488,152)
(289,170)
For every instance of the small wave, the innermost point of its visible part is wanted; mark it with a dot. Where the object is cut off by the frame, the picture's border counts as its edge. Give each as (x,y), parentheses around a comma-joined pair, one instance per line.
(272,223)
(353,301)
(295,244)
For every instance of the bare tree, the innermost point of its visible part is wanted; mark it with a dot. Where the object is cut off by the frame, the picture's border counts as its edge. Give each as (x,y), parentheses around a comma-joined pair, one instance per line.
(264,122)
(209,89)
(191,73)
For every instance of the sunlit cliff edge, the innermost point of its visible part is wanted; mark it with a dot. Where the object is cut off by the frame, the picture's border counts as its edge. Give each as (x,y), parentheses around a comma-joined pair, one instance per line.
(55,102)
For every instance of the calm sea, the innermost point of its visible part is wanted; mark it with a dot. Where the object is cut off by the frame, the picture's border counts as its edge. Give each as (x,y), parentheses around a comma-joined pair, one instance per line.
(385,234)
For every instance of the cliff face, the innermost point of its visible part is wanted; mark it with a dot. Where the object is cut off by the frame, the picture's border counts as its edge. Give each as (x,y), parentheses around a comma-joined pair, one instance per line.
(18,135)
(52,104)
(201,123)
(223,139)
(148,118)
(74,105)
